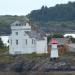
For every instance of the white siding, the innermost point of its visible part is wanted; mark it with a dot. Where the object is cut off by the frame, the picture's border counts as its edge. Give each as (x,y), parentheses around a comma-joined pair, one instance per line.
(42,46)
(22,47)
(54,51)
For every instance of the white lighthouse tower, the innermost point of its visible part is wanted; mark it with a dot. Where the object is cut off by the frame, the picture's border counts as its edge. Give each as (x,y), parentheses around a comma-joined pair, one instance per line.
(18,37)
(54,49)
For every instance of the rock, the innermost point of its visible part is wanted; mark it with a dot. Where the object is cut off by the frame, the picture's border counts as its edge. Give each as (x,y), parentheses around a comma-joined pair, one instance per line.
(21,66)
(17,67)
(3,66)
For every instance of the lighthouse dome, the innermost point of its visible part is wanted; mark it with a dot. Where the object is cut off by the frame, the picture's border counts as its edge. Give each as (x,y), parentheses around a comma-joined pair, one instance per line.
(54,41)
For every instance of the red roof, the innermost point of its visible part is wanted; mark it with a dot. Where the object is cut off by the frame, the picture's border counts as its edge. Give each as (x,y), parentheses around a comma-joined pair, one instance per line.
(53,41)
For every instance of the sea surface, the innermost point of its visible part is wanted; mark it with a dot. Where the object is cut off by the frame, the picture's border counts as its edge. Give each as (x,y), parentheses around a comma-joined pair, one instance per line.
(5,40)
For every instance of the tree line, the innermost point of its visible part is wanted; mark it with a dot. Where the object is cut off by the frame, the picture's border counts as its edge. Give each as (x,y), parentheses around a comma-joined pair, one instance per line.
(60,12)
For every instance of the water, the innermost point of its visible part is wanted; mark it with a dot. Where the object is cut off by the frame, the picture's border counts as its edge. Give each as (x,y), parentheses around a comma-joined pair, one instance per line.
(5,40)
(73,35)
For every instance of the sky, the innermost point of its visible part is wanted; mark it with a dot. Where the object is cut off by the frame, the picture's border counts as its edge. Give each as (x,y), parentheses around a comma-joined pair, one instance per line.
(23,7)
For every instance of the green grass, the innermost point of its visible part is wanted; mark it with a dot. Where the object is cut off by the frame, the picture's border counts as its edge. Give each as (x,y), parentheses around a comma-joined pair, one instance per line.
(10,59)
(7,58)
(2,50)
(33,55)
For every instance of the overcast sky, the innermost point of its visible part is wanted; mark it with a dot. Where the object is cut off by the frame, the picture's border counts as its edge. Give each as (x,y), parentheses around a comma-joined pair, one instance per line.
(23,7)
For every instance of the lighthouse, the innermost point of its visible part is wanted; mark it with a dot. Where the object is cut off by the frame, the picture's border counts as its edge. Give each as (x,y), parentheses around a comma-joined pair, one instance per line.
(54,50)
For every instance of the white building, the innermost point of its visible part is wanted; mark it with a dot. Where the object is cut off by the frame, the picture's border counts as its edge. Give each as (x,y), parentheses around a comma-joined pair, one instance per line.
(24,40)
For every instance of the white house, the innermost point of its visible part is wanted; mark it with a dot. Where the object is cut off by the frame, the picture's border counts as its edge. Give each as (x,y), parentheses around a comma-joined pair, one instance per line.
(24,40)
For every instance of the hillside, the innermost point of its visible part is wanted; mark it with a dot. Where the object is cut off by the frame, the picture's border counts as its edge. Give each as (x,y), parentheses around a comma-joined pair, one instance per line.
(6,20)
(60,12)
(61,15)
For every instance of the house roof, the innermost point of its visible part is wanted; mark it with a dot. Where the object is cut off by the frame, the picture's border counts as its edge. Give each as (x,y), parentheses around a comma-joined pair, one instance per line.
(17,23)
(61,41)
(36,35)
(53,41)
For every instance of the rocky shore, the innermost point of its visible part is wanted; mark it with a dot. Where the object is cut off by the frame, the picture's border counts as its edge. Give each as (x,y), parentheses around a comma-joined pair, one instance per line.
(41,64)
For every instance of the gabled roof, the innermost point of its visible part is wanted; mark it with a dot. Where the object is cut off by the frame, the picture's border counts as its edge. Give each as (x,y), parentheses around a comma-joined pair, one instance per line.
(36,35)
(53,41)
(18,23)
(61,41)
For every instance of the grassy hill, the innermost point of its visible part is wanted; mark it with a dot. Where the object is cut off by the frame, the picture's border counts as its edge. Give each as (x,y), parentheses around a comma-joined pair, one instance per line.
(6,20)
(60,12)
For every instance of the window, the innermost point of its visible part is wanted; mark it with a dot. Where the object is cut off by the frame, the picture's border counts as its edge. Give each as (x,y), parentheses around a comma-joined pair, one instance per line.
(16,33)
(26,41)
(32,41)
(19,24)
(16,42)
(16,24)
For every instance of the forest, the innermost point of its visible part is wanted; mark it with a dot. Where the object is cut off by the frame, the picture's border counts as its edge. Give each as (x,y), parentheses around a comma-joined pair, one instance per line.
(60,12)
(60,16)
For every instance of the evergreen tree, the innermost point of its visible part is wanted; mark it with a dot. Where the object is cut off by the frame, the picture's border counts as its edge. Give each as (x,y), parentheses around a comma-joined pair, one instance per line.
(60,12)
(1,44)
